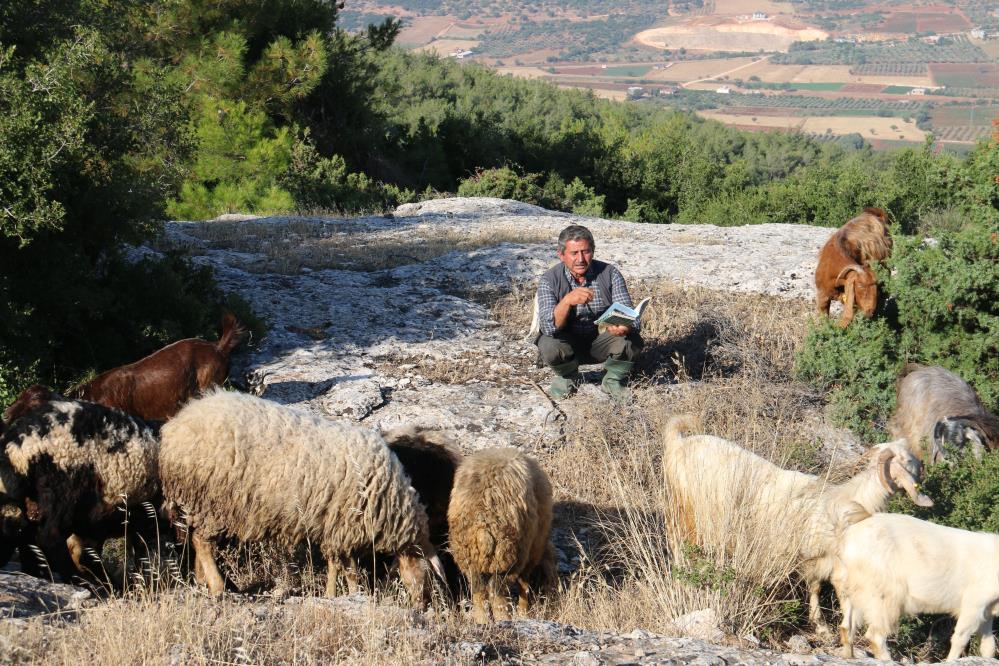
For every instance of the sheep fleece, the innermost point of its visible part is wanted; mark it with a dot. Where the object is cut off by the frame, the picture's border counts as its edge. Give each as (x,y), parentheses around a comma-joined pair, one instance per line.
(255,469)
(119,451)
(500,513)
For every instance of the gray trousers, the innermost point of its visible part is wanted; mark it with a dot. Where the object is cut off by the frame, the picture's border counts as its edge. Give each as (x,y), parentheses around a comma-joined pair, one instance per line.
(565,347)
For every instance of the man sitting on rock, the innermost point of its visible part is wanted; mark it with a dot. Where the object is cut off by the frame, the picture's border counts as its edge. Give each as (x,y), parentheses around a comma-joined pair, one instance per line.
(571,297)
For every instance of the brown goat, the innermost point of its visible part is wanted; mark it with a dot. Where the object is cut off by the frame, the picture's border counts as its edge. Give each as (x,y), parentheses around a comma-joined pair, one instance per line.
(155,388)
(844,271)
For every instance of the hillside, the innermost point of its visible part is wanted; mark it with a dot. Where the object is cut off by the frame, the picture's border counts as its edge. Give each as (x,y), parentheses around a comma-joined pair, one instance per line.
(418,317)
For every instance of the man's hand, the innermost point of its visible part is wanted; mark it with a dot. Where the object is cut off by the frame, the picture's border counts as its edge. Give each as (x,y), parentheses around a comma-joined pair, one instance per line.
(619,331)
(578,296)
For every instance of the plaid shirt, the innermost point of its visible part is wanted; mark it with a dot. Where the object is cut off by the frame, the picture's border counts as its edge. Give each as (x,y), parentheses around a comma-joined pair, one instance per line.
(581,317)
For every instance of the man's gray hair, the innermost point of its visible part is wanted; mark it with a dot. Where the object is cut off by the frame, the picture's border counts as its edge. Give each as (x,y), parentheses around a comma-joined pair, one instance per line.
(575,232)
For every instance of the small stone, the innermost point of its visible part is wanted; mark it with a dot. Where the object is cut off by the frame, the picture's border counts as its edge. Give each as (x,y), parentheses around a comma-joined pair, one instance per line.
(639,653)
(799,644)
(585,658)
(702,624)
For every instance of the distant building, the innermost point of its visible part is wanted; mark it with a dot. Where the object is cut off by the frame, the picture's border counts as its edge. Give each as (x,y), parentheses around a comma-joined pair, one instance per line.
(723,90)
(635,92)
(917,91)
(933,39)
(669,90)
(759,16)
(461,55)
(978,33)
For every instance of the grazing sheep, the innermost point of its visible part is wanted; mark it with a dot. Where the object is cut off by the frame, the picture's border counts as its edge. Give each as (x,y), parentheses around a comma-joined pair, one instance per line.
(844,271)
(74,465)
(892,565)
(935,407)
(500,518)
(156,386)
(722,490)
(253,469)
(430,460)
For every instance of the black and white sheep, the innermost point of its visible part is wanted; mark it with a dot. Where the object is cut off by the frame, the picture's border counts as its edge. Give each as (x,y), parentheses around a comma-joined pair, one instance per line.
(250,468)
(935,408)
(725,494)
(500,520)
(72,466)
(891,565)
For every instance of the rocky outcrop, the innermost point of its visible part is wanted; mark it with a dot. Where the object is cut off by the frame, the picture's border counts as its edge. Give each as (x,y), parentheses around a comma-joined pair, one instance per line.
(360,344)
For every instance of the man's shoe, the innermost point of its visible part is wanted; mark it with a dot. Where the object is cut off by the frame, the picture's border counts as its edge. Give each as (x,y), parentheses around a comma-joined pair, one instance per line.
(616,372)
(566,379)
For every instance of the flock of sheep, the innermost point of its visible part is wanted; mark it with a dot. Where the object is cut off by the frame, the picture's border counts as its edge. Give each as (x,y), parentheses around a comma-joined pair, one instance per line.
(221,464)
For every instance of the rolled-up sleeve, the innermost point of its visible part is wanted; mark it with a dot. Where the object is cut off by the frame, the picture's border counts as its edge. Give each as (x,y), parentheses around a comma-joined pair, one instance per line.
(619,293)
(546,308)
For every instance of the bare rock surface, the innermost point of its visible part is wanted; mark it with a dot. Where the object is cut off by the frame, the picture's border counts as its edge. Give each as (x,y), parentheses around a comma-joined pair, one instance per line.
(359,344)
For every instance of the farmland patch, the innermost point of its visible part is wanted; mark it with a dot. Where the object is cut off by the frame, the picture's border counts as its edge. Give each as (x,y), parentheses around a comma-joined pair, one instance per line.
(973,75)
(422,29)
(870,127)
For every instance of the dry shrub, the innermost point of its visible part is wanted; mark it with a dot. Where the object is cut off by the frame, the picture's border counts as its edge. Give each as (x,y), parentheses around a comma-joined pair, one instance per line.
(288,246)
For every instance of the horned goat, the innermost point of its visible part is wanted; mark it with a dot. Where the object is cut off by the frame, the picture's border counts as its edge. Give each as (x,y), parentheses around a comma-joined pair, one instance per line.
(247,467)
(935,408)
(844,271)
(891,565)
(500,520)
(724,491)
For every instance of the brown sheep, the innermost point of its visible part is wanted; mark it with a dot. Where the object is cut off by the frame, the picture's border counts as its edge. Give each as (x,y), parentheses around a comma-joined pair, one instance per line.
(155,387)
(936,407)
(500,519)
(844,271)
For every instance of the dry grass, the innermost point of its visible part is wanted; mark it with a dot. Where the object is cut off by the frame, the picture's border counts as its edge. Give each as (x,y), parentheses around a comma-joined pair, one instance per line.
(288,247)
(725,358)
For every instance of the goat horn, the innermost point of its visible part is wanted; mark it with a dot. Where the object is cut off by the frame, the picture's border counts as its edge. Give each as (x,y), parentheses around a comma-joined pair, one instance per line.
(884,473)
(852,267)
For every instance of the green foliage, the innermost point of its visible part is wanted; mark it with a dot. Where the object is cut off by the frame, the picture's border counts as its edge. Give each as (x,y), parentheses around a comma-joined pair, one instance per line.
(240,158)
(857,366)
(505,183)
(325,183)
(943,312)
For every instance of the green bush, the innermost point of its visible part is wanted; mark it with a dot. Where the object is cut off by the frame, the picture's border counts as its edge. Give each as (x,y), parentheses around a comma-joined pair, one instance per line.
(504,183)
(325,183)
(941,309)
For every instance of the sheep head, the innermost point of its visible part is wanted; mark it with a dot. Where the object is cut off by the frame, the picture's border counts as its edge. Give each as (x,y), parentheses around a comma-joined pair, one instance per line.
(860,286)
(899,469)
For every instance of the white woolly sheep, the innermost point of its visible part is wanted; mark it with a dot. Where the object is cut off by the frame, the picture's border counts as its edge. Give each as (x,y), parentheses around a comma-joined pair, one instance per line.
(723,490)
(500,519)
(936,407)
(253,469)
(75,465)
(891,564)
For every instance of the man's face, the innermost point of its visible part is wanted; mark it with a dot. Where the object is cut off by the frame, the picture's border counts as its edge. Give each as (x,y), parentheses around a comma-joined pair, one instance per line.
(577,256)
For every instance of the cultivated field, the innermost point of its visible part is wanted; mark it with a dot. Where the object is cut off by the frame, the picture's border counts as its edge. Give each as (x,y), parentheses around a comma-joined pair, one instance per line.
(908,23)
(446,46)
(974,75)
(774,73)
(750,6)
(870,127)
(422,29)
(691,70)
(714,34)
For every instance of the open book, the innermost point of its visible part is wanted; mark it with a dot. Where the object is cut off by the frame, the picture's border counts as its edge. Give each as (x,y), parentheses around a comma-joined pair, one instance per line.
(620,315)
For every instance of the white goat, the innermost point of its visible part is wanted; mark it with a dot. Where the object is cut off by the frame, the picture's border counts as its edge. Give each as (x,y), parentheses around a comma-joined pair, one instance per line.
(725,492)
(891,564)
